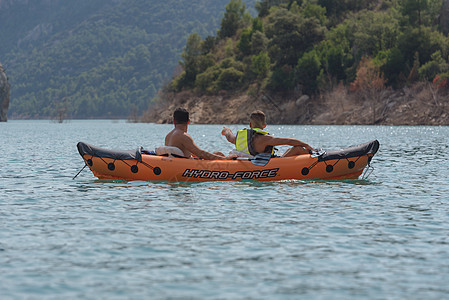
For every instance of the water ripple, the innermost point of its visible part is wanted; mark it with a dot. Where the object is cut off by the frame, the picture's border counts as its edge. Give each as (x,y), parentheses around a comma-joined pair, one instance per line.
(380,238)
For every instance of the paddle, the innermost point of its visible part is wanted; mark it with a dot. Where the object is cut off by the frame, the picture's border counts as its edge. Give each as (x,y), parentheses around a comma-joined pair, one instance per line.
(261,159)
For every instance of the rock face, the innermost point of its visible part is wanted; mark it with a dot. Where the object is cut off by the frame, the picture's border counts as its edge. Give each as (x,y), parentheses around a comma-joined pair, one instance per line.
(444,16)
(419,104)
(4,94)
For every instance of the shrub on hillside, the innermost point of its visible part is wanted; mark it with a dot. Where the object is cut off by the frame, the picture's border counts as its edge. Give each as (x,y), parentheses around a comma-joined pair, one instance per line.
(230,79)
(307,71)
(260,65)
(435,66)
(207,81)
(369,77)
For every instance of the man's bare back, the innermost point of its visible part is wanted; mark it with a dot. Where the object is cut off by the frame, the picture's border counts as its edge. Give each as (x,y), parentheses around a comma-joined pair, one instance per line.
(177,138)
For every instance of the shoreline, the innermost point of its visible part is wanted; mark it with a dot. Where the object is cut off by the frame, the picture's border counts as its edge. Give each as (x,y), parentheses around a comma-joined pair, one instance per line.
(420,104)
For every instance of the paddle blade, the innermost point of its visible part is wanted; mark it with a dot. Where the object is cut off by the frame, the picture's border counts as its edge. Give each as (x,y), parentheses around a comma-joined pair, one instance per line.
(261,159)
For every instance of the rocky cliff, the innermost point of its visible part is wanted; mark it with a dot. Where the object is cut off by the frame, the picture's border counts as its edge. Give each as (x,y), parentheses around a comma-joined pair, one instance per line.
(4,94)
(420,104)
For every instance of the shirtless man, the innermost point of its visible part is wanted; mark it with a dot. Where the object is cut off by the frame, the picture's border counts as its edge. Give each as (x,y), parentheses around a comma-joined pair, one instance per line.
(256,140)
(178,137)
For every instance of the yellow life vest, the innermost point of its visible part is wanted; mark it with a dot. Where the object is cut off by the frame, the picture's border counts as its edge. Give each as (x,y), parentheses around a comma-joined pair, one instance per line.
(244,141)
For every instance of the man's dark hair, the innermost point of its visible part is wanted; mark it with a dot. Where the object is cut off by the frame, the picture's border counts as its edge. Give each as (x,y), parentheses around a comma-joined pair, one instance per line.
(181,116)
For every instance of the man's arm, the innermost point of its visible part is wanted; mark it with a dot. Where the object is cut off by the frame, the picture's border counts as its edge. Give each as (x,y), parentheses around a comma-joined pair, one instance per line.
(269,140)
(228,134)
(190,145)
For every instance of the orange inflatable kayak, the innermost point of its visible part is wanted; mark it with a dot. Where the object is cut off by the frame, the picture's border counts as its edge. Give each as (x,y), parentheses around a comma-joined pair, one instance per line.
(346,163)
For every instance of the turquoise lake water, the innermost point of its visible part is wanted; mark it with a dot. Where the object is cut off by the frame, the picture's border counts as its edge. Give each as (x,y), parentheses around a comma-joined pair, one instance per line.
(386,237)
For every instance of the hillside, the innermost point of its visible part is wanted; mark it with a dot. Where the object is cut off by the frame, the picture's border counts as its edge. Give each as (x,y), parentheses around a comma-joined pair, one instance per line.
(359,62)
(95,58)
(419,104)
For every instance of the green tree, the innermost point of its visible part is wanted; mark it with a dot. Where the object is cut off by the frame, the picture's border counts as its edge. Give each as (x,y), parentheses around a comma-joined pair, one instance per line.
(263,7)
(244,44)
(190,56)
(307,72)
(435,66)
(291,35)
(374,31)
(336,11)
(393,65)
(416,40)
(284,32)
(257,25)
(313,10)
(413,11)
(260,64)
(335,60)
(282,78)
(208,44)
(207,81)
(232,19)
(259,42)
(230,79)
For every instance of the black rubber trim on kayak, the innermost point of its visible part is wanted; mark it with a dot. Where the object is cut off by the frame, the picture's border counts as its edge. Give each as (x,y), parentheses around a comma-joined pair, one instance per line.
(172,154)
(367,148)
(84,148)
